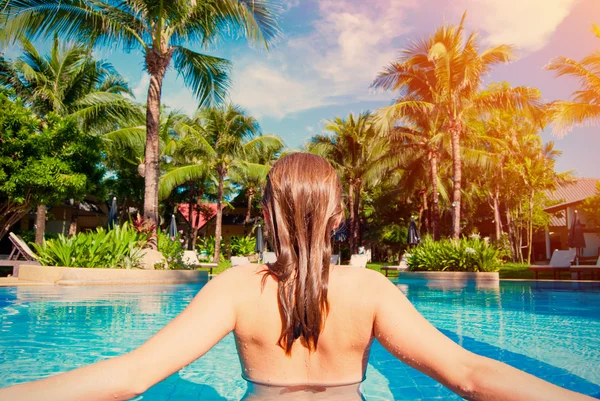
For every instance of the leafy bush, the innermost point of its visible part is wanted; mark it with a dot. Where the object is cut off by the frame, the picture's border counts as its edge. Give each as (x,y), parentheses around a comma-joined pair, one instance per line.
(172,250)
(29,236)
(243,246)
(467,254)
(118,248)
(206,246)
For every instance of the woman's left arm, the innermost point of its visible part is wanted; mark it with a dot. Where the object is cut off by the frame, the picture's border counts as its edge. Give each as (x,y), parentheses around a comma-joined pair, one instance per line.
(207,319)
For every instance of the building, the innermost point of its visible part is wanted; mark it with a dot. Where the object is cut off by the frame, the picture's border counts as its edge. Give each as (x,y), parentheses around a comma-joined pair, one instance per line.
(569,198)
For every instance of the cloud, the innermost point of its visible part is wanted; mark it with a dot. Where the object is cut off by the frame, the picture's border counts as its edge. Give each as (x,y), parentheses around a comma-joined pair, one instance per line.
(528,24)
(333,64)
(287,5)
(140,91)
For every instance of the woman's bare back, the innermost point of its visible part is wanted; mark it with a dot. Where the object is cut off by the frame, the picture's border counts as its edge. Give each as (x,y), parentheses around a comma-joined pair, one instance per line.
(344,344)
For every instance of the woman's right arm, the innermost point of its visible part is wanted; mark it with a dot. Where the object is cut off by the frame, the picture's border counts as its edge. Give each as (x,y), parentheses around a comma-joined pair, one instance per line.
(404,332)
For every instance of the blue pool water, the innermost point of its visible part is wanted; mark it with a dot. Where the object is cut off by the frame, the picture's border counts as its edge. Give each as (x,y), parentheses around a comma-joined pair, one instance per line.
(551,330)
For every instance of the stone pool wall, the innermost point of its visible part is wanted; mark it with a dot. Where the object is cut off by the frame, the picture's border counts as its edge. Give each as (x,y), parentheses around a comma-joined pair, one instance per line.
(86,276)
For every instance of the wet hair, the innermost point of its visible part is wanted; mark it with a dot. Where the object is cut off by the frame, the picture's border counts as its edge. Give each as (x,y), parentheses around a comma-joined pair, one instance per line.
(302,200)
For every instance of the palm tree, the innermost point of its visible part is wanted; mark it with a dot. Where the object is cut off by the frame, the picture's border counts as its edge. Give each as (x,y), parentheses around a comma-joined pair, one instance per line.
(71,83)
(161,30)
(446,72)
(416,133)
(585,106)
(223,138)
(357,151)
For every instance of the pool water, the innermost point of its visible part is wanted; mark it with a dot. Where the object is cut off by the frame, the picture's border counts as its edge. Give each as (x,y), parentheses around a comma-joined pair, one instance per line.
(551,330)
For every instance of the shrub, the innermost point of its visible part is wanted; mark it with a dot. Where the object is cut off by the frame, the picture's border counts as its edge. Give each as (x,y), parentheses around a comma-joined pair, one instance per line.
(172,250)
(206,246)
(467,254)
(29,236)
(243,246)
(120,248)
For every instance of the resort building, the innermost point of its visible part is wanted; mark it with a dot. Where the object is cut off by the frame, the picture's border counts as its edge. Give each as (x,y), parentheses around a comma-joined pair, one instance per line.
(569,198)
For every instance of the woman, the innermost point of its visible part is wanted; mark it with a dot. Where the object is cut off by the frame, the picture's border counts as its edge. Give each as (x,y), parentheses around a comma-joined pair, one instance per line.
(303,328)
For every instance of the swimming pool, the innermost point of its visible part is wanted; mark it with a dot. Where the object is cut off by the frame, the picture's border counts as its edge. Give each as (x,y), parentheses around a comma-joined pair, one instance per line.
(548,329)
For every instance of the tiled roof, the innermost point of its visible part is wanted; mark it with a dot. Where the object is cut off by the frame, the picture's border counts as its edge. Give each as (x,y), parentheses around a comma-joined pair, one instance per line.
(573,192)
(208,211)
(556,221)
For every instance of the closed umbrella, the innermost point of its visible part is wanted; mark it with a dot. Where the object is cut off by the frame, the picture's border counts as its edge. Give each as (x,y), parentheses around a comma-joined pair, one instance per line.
(576,238)
(260,243)
(413,233)
(173,227)
(113,217)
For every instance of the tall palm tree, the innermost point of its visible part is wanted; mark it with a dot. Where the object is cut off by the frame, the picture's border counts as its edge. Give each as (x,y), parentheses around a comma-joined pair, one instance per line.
(357,151)
(585,106)
(71,83)
(446,71)
(417,133)
(161,30)
(224,138)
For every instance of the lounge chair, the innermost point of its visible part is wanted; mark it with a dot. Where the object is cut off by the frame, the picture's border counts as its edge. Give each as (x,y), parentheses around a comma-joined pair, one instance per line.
(20,250)
(239,260)
(402,266)
(269,257)
(359,260)
(560,262)
(190,258)
(335,259)
(594,270)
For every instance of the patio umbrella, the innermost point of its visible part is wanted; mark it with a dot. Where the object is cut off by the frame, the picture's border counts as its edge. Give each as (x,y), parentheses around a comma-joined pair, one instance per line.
(413,233)
(576,237)
(260,243)
(173,227)
(113,214)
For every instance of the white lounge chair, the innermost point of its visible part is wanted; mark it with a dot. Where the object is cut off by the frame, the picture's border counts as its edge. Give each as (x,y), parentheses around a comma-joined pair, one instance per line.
(560,262)
(269,257)
(20,250)
(239,260)
(190,258)
(402,266)
(594,270)
(359,260)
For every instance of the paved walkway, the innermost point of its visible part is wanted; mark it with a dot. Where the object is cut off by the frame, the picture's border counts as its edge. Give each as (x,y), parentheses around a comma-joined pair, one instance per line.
(15,282)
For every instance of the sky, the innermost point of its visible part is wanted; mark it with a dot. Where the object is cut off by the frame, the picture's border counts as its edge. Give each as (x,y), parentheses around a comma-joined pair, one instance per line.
(330,51)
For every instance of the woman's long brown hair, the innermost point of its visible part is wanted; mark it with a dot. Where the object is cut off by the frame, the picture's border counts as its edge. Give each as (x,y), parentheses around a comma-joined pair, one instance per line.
(302,208)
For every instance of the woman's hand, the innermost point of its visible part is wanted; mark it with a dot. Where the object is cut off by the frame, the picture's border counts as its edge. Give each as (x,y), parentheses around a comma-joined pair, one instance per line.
(402,330)
(207,319)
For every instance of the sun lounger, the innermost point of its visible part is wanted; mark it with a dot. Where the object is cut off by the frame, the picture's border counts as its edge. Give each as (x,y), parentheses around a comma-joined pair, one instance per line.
(335,260)
(190,258)
(269,257)
(593,270)
(359,260)
(239,260)
(402,266)
(20,250)
(559,263)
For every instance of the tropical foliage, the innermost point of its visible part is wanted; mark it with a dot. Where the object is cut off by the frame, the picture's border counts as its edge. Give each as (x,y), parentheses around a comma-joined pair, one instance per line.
(161,31)
(120,247)
(466,254)
(242,246)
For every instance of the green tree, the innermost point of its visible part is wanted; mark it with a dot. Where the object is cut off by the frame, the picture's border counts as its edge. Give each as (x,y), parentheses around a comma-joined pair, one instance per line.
(591,209)
(357,151)
(585,106)
(69,82)
(42,163)
(446,71)
(219,139)
(161,30)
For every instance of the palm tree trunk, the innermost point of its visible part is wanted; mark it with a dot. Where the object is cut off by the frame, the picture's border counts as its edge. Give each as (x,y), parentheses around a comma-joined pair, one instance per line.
(352,216)
(219,219)
(197,225)
(424,218)
(530,229)
(356,231)
(190,230)
(74,219)
(156,64)
(248,218)
(40,223)
(511,238)
(455,131)
(497,217)
(435,207)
